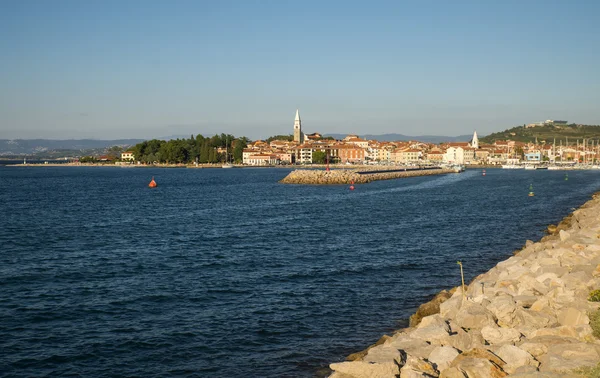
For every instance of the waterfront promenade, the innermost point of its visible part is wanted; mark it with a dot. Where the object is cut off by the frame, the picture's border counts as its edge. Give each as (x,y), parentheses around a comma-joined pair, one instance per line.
(529,316)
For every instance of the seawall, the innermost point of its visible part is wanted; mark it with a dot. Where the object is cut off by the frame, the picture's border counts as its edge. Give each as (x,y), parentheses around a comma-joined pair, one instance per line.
(529,316)
(347,176)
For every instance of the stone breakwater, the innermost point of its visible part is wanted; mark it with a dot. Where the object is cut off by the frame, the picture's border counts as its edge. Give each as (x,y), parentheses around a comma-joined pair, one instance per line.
(347,176)
(526,317)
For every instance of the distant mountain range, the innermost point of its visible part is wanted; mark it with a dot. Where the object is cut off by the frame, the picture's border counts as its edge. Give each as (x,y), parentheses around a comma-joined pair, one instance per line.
(71,147)
(421,138)
(10,147)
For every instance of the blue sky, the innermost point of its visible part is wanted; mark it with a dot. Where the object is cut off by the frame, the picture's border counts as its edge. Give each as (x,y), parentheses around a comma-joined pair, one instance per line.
(144,69)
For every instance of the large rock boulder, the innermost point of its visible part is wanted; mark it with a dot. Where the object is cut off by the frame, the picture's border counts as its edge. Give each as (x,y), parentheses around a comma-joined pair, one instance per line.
(442,357)
(362,369)
(432,328)
(567,357)
(571,316)
(411,346)
(383,354)
(430,308)
(474,316)
(515,358)
(417,367)
(450,307)
(473,367)
(498,335)
(503,308)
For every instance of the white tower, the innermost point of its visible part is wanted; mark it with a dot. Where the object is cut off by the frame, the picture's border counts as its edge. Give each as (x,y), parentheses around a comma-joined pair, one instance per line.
(475,140)
(297,128)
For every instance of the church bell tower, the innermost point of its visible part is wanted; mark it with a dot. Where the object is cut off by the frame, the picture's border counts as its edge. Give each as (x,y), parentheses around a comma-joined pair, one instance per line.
(298,128)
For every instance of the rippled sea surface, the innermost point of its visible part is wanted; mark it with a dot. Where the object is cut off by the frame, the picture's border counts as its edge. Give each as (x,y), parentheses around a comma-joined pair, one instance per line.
(225,272)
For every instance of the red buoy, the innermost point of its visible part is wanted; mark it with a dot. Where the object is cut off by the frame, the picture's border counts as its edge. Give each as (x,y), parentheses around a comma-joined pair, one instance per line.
(483,173)
(153,183)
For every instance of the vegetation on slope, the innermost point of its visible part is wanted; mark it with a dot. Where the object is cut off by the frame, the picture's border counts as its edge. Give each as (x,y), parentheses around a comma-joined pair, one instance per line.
(546,133)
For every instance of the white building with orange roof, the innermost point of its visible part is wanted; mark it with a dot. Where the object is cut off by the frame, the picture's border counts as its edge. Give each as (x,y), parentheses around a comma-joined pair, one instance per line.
(454,155)
(435,156)
(362,143)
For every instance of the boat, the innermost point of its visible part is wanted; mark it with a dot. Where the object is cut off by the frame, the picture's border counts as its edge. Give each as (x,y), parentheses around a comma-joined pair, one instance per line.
(512,166)
(530,167)
(458,168)
(227,163)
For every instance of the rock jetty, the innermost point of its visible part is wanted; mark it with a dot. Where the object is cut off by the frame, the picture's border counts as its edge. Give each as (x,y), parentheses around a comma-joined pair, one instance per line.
(527,317)
(347,176)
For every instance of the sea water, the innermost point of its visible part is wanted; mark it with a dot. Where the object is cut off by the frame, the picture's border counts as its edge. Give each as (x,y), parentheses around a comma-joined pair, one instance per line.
(221,273)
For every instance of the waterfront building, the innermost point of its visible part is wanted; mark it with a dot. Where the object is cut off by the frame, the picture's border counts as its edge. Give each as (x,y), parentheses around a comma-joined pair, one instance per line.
(468,155)
(263,159)
(348,153)
(454,155)
(303,153)
(127,156)
(482,155)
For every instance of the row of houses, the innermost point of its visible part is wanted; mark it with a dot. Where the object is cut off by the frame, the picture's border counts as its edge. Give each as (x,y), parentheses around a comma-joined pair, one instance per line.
(355,150)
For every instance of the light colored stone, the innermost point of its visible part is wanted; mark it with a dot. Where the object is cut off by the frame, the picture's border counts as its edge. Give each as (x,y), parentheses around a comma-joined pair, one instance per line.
(525,301)
(496,335)
(572,317)
(538,374)
(546,277)
(535,349)
(362,369)
(432,328)
(441,357)
(474,316)
(463,340)
(564,235)
(450,307)
(515,358)
(596,272)
(414,347)
(383,354)
(452,372)
(503,309)
(474,367)
(532,318)
(417,367)
(566,357)
(479,353)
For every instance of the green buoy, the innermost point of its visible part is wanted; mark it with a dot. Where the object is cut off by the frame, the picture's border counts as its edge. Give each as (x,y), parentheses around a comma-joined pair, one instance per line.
(566,176)
(531,194)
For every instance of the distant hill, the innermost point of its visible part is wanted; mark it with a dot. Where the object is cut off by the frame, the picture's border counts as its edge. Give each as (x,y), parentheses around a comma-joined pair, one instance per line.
(546,133)
(13,147)
(421,138)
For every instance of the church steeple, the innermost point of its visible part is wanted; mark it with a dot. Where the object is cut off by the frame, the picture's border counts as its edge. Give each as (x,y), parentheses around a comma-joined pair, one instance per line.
(475,140)
(297,128)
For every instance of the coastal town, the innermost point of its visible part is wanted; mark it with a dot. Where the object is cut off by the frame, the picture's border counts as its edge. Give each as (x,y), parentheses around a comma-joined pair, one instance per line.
(352,149)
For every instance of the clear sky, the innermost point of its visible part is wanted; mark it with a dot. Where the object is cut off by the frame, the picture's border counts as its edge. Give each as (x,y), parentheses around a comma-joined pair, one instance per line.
(141,69)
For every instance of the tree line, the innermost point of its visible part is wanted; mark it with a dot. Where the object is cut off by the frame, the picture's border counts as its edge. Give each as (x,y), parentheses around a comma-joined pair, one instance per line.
(199,149)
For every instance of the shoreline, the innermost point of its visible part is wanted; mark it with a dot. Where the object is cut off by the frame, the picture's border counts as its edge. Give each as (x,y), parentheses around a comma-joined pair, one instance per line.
(528,316)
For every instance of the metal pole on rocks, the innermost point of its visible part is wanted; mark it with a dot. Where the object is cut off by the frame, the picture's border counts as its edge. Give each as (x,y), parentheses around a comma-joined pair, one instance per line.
(462,277)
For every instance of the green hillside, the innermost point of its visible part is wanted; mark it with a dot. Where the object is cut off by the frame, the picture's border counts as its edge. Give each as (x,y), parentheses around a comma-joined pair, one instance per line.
(546,133)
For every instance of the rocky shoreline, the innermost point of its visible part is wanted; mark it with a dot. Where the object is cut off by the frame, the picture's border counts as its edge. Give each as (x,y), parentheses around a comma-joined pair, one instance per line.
(529,316)
(348,176)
